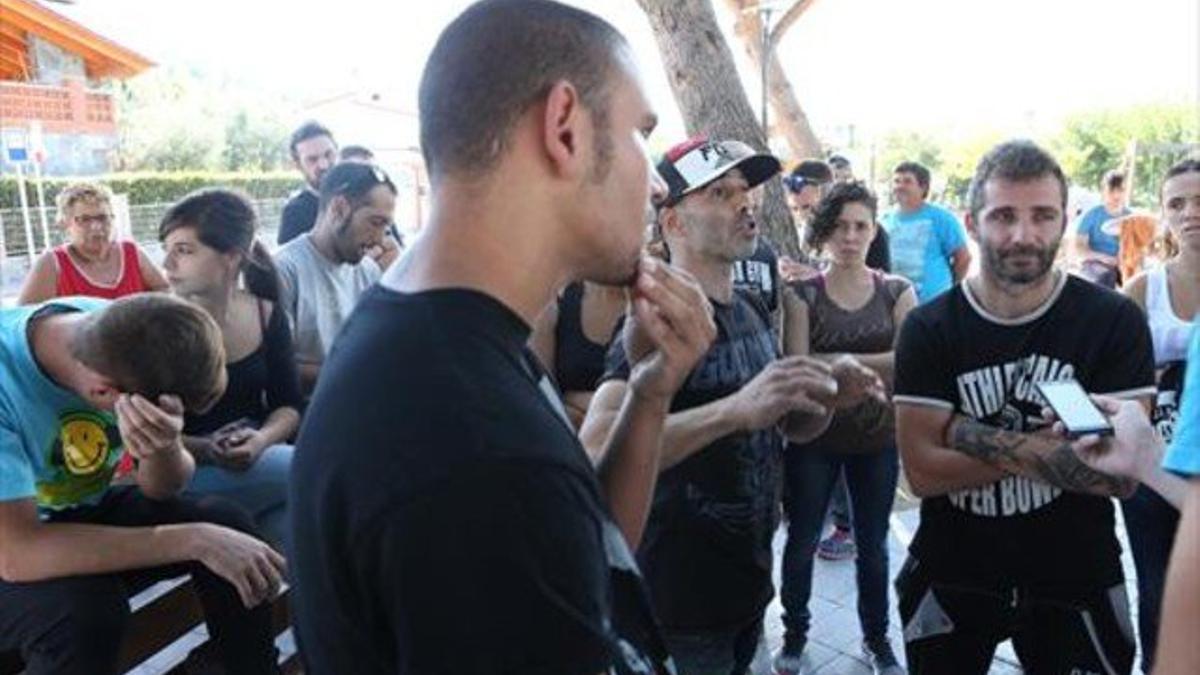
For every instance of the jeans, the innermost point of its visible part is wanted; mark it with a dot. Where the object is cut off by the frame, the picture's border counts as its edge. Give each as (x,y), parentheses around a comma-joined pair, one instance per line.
(261,489)
(839,505)
(1151,523)
(714,652)
(75,624)
(811,474)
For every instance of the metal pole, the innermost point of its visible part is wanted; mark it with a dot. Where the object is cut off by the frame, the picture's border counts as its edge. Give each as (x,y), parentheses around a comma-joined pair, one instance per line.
(29,241)
(41,197)
(3,259)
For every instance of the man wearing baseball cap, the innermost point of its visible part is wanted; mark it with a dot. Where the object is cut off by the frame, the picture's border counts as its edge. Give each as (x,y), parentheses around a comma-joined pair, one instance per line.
(706,553)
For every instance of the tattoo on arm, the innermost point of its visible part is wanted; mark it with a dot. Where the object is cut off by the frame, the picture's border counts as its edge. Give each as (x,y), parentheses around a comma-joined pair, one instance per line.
(1050,460)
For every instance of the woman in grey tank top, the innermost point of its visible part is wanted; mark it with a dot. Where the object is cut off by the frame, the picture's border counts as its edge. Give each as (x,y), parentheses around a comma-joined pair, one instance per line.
(848,309)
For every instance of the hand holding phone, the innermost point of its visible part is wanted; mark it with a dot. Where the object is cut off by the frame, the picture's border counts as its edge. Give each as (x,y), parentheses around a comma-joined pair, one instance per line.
(1074,408)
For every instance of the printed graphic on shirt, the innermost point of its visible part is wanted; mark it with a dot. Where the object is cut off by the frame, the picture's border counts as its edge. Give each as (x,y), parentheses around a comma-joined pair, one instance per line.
(754,275)
(1006,396)
(910,241)
(1166,403)
(734,362)
(743,492)
(81,459)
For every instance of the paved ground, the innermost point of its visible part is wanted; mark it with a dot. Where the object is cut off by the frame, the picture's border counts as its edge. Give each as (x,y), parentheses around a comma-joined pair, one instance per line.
(833,641)
(835,637)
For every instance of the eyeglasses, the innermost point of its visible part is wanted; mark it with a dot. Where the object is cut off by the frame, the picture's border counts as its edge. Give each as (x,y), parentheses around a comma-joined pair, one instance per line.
(101,219)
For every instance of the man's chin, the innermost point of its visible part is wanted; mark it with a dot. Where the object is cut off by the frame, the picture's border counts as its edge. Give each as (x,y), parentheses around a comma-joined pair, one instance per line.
(623,274)
(1025,277)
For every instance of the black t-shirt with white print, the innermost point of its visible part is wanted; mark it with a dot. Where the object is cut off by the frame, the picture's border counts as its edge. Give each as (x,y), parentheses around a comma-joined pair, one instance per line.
(445,517)
(760,274)
(706,551)
(952,354)
(1170,394)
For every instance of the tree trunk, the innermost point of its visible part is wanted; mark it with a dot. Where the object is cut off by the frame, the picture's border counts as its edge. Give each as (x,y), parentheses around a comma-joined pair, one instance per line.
(788,117)
(709,92)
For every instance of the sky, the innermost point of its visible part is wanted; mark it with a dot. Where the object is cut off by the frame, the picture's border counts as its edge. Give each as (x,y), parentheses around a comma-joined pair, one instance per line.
(948,66)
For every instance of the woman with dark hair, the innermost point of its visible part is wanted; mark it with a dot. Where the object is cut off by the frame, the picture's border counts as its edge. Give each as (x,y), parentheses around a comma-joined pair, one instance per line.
(571,338)
(1169,294)
(213,259)
(847,309)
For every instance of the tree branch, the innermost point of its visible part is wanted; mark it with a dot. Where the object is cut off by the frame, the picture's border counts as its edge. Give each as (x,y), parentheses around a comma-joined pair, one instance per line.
(790,17)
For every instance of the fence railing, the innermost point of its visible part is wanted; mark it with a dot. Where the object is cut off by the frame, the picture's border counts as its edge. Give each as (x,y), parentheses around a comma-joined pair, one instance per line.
(141,222)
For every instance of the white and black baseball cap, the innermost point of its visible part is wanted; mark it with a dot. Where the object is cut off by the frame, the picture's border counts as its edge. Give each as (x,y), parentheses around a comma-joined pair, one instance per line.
(698,161)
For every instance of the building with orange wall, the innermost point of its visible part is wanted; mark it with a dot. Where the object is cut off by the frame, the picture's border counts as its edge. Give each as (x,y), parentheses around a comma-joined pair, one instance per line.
(59,75)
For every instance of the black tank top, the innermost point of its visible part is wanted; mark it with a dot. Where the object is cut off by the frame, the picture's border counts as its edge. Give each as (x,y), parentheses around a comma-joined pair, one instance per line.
(578,362)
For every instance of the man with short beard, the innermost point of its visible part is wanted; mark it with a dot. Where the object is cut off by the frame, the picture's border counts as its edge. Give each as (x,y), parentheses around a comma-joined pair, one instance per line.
(1017,535)
(325,271)
(447,518)
(314,152)
(707,550)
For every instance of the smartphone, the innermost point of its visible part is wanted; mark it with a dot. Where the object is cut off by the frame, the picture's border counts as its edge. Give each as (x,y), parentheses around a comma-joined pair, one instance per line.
(1074,408)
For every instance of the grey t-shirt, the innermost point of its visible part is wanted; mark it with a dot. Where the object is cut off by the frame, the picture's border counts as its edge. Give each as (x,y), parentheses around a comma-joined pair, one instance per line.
(319,294)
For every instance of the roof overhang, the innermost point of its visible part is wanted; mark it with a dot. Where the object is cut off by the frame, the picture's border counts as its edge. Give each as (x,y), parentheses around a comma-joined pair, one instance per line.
(102,57)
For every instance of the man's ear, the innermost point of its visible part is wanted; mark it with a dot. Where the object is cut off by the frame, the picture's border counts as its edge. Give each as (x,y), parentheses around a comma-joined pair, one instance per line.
(564,131)
(972,226)
(339,207)
(100,391)
(669,221)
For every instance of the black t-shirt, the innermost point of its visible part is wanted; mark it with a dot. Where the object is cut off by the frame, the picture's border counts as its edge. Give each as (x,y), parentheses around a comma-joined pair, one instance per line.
(578,362)
(706,551)
(1170,394)
(299,216)
(445,517)
(879,253)
(760,273)
(953,355)
(258,384)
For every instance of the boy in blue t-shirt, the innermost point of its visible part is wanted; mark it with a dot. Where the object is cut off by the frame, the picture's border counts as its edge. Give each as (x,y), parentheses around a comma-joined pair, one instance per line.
(82,382)
(928,244)
(1097,248)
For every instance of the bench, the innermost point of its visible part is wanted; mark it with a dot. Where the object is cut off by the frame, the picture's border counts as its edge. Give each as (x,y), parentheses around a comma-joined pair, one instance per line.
(161,615)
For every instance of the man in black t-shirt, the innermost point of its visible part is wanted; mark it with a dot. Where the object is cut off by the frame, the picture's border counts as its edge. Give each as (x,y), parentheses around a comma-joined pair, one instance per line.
(314,152)
(448,519)
(1017,536)
(707,548)
(760,274)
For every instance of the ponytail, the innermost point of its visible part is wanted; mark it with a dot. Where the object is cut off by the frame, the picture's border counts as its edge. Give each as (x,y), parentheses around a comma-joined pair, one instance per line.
(259,274)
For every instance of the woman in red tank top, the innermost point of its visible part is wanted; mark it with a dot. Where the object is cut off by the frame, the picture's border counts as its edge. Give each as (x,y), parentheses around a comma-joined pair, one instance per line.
(90,263)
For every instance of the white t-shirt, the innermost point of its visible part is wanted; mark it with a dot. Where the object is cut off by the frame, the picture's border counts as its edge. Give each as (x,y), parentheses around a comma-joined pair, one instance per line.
(318,294)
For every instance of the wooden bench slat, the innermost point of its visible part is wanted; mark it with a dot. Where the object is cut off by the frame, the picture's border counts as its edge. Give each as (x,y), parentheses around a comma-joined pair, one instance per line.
(160,620)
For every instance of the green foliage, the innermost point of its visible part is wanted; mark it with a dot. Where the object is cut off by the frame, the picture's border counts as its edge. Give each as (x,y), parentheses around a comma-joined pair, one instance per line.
(958,167)
(1087,145)
(158,188)
(254,142)
(175,119)
(1094,142)
(909,146)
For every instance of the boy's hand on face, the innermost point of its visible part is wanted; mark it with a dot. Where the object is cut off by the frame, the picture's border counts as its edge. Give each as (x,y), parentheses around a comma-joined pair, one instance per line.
(149,430)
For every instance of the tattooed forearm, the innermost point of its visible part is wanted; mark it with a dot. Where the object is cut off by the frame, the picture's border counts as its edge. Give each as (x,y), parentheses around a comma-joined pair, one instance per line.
(1050,460)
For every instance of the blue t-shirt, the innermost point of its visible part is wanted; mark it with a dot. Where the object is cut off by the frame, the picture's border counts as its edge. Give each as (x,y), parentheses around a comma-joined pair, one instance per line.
(1184,454)
(54,447)
(922,242)
(1091,225)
